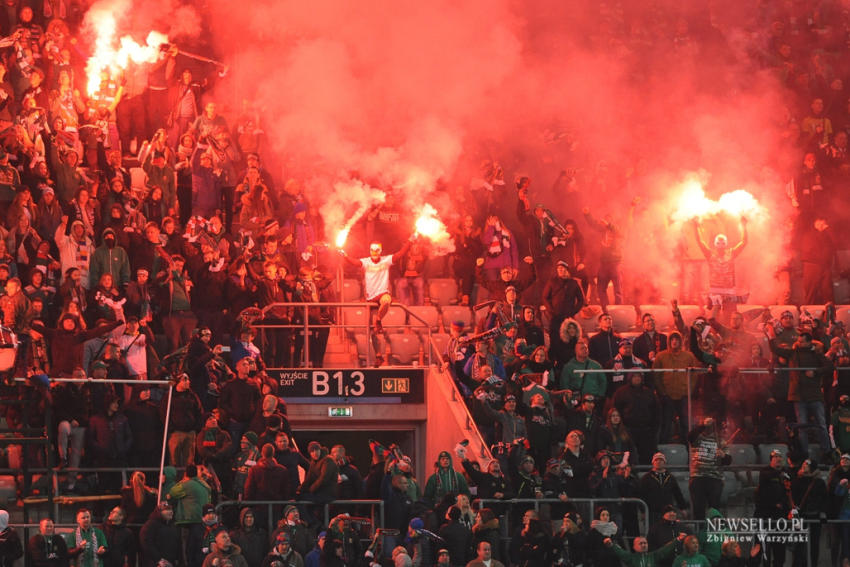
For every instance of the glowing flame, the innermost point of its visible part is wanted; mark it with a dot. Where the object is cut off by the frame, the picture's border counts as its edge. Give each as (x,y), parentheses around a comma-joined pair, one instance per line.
(113,55)
(693,203)
(341,237)
(429,225)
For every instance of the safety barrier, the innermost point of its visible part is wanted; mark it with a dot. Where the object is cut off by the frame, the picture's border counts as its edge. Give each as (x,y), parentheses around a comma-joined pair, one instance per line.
(303,504)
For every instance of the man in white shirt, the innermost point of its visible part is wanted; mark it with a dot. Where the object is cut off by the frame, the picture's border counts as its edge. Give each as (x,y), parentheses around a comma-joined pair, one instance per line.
(376,276)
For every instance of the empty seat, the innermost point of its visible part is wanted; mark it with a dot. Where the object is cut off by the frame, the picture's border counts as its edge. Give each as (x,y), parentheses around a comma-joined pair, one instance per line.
(676,453)
(842,313)
(138,178)
(404,348)
(765,448)
(749,308)
(351,290)
(442,291)
(452,313)
(731,486)
(588,319)
(663,316)
(355,319)
(624,317)
(365,348)
(743,454)
(427,313)
(440,341)
(395,321)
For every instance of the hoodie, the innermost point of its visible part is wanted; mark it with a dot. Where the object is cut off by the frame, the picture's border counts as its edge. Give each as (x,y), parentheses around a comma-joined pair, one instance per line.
(11,548)
(253,541)
(444,481)
(106,260)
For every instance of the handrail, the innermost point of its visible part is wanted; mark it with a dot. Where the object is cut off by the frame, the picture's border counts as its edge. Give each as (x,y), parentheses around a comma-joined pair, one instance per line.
(590,501)
(307,325)
(305,503)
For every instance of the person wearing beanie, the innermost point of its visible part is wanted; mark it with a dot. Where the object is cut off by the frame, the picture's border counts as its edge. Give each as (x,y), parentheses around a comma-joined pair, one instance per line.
(246,458)
(283,552)
(659,489)
(562,298)
(444,481)
(300,536)
(213,447)
(321,479)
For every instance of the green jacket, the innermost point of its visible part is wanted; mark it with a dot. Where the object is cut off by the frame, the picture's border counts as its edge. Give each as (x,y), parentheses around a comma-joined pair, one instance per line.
(712,549)
(445,481)
(573,379)
(191,494)
(86,556)
(109,261)
(649,559)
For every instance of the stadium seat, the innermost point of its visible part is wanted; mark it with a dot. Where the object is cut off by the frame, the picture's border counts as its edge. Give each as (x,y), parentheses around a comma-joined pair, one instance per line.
(404,348)
(731,486)
(765,448)
(750,308)
(662,314)
(452,313)
(442,291)
(776,311)
(842,313)
(743,454)
(682,478)
(427,313)
(441,341)
(677,454)
(588,319)
(355,319)
(395,321)
(138,177)
(624,317)
(351,290)
(363,346)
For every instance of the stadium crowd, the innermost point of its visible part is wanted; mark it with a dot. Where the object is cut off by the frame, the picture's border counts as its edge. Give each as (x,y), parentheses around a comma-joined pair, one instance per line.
(155,273)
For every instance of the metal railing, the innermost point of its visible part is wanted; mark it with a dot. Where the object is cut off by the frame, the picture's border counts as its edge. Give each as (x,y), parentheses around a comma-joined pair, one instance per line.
(304,326)
(303,504)
(591,502)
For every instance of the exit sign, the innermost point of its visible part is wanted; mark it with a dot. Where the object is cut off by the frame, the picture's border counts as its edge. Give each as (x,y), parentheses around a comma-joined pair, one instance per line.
(341,412)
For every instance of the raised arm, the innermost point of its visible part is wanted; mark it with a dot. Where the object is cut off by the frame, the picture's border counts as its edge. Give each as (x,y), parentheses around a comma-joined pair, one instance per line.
(706,251)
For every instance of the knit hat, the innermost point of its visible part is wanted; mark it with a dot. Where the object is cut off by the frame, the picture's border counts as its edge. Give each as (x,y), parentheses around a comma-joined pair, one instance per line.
(283,537)
(299,207)
(562,263)
(207,509)
(624,342)
(659,455)
(251,437)
(288,510)
(416,524)
(313,445)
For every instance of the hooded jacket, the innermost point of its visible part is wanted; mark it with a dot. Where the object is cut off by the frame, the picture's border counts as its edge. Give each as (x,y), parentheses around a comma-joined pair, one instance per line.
(11,548)
(254,542)
(106,260)
(234,554)
(444,481)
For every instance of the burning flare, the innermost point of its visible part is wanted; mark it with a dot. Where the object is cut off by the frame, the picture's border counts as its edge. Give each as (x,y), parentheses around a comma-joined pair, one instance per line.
(429,225)
(693,203)
(113,55)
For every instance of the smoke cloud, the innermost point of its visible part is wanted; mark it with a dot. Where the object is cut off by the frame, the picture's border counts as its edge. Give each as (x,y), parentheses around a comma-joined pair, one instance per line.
(411,97)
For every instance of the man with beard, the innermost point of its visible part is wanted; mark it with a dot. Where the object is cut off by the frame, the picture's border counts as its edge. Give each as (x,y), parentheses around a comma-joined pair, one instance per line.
(120,541)
(223,549)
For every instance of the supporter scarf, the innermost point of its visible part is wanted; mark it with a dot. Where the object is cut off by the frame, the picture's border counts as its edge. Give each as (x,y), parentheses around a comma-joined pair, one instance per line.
(210,436)
(91,545)
(607,529)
